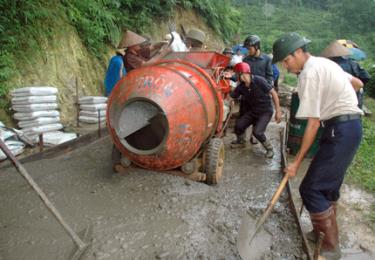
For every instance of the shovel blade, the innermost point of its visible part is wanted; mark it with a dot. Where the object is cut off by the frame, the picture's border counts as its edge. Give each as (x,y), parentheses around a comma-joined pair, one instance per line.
(252,244)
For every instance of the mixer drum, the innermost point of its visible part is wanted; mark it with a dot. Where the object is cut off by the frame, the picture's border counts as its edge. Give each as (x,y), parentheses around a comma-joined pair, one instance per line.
(160,115)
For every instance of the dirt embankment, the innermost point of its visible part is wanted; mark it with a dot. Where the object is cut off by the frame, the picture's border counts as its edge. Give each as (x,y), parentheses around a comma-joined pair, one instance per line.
(65,61)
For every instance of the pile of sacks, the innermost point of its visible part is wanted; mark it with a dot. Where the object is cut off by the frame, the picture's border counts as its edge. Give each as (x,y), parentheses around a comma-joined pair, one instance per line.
(36,110)
(36,114)
(92,109)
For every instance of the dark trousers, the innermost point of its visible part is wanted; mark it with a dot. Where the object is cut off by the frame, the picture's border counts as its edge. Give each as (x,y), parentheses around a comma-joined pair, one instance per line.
(337,147)
(259,123)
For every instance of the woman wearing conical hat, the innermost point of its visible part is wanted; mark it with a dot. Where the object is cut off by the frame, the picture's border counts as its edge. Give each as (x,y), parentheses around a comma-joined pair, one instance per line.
(138,51)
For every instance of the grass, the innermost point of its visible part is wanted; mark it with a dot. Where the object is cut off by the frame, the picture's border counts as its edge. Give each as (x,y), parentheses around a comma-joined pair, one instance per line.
(362,170)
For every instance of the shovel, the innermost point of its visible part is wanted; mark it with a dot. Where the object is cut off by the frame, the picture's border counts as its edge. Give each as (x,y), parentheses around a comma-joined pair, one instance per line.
(248,246)
(81,245)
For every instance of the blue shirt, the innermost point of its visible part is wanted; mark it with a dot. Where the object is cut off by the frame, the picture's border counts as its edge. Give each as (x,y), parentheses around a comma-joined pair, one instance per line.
(261,66)
(276,72)
(113,73)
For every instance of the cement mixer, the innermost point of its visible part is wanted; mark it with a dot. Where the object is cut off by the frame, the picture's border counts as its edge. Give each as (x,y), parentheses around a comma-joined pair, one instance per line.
(172,115)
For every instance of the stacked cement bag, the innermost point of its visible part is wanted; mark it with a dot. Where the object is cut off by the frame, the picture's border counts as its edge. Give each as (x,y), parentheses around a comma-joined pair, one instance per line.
(92,109)
(36,110)
(9,137)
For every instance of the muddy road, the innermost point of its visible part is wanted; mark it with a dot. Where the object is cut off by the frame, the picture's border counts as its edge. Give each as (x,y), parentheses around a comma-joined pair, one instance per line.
(143,214)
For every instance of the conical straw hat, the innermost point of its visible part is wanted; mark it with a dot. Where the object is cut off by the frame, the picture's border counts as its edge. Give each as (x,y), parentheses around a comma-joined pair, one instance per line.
(335,49)
(130,39)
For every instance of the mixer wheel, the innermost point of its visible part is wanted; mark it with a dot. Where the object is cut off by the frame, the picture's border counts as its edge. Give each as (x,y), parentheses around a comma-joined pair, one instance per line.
(214,161)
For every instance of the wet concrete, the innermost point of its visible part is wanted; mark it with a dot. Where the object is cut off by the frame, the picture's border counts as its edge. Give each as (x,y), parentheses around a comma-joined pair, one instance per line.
(143,214)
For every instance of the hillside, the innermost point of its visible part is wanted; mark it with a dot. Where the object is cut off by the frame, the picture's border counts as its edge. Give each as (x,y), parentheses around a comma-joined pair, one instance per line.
(59,43)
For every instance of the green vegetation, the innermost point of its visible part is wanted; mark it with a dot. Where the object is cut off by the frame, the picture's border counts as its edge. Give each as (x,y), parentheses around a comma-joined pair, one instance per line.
(362,170)
(321,21)
(290,79)
(370,86)
(25,25)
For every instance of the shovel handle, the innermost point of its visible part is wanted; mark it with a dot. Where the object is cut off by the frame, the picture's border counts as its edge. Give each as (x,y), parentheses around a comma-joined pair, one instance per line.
(279,190)
(273,201)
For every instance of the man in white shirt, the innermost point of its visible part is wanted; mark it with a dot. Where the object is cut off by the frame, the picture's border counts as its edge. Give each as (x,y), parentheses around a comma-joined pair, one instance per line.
(327,97)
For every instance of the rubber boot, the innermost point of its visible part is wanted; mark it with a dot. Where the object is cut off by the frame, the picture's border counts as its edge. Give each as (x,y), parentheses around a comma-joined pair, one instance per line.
(239,142)
(312,235)
(326,222)
(269,150)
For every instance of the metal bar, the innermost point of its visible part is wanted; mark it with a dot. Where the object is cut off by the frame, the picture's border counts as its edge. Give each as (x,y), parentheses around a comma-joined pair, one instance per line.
(305,243)
(99,133)
(41,144)
(61,148)
(77,102)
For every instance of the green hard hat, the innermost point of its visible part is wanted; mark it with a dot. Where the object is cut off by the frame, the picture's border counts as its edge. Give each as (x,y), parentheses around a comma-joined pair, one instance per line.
(196,34)
(287,44)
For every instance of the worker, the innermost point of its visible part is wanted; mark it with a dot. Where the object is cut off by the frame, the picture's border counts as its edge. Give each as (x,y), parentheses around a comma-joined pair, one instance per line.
(327,99)
(195,39)
(257,92)
(341,55)
(115,71)
(237,57)
(139,51)
(260,64)
(228,52)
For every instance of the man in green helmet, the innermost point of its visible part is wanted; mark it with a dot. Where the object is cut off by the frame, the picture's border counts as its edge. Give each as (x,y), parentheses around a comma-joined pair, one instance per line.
(327,98)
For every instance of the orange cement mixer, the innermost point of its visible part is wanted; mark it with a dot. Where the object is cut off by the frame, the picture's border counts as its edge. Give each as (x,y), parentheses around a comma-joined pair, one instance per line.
(171,115)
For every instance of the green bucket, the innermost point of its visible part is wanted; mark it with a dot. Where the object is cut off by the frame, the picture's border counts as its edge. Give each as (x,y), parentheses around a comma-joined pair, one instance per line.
(297,129)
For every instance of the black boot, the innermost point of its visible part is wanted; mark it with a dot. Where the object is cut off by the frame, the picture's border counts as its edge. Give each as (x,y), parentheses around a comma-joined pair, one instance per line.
(239,142)
(269,150)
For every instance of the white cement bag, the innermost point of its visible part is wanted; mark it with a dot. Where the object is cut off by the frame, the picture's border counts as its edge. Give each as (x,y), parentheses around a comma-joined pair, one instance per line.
(34,107)
(92,100)
(38,121)
(94,107)
(36,114)
(33,100)
(33,91)
(6,133)
(15,147)
(57,137)
(90,120)
(89,113)
(42,129)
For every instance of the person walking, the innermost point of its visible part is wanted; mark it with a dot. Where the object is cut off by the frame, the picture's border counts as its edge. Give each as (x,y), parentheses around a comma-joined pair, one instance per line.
(257,93)
(260,64)
(327,98)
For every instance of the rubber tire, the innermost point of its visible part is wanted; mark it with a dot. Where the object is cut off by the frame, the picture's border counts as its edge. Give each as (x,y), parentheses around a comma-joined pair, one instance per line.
(214,161)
